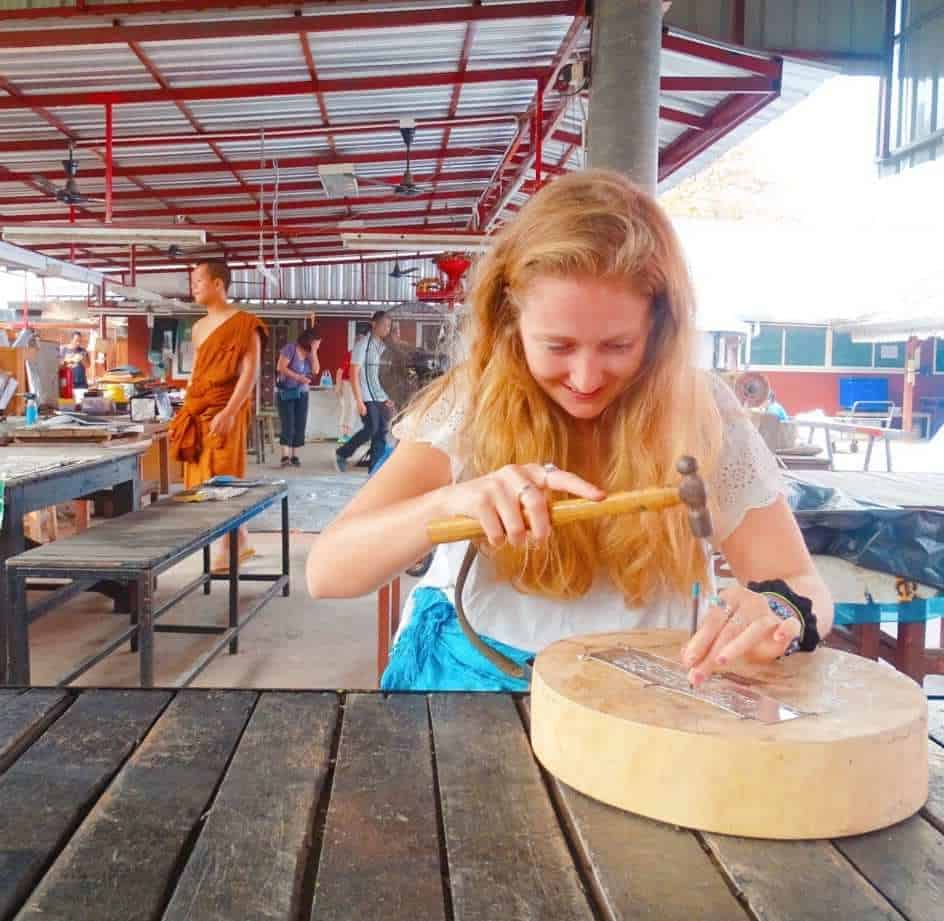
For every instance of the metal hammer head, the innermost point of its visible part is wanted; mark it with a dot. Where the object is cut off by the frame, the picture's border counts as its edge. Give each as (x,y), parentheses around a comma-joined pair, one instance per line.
(692,493)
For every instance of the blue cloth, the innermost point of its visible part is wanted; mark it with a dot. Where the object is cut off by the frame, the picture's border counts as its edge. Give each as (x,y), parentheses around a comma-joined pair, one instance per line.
(775,409)
(432,653)
(905,612)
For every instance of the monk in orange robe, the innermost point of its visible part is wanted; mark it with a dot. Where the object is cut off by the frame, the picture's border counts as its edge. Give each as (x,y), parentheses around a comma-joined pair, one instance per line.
(208,434)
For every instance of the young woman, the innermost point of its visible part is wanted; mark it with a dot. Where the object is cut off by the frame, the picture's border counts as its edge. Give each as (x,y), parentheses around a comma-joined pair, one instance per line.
(297,366)
(580,382)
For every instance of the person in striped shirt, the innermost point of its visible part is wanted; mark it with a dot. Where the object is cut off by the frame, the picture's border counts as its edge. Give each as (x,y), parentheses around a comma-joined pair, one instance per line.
(373,404)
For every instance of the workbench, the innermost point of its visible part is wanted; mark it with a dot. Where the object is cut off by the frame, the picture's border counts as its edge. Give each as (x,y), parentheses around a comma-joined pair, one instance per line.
(38,477)
(134,550)
(120,805)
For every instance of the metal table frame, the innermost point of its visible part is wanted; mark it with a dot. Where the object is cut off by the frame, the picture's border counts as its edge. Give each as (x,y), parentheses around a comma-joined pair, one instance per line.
(118,473)
(144,614)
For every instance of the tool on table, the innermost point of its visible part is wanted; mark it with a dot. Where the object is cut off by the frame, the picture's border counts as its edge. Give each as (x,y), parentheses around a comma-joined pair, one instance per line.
(690,492)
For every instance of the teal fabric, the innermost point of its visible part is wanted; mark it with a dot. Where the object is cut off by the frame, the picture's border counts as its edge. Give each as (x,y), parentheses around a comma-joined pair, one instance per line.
(432,653)
(905,612)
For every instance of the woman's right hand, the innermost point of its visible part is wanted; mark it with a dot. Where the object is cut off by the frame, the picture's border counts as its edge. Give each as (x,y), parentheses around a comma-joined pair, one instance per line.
(511,504)
(361,408)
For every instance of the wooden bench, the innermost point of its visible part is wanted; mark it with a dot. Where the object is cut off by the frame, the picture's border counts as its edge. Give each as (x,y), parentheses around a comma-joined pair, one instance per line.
(134,550)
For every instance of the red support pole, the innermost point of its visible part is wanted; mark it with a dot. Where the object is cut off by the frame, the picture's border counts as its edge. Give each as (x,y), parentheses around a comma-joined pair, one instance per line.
(538,132)
(907,398)
(109,165)
(132,267)
(71,221)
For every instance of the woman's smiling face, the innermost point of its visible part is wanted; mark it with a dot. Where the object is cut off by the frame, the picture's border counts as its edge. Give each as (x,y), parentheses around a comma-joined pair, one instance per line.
(584,339)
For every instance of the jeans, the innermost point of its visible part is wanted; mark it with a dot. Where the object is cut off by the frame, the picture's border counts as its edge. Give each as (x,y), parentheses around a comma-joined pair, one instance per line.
(293,416)
(374,430)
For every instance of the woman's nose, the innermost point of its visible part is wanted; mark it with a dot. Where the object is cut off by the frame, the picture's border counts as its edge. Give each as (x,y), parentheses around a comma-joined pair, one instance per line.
(586,373)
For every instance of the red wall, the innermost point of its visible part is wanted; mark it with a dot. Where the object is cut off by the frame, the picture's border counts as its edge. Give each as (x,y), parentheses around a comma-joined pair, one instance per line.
(801,391)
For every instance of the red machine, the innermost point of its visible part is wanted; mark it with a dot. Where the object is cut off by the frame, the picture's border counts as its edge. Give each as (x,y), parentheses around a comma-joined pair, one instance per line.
(453,266)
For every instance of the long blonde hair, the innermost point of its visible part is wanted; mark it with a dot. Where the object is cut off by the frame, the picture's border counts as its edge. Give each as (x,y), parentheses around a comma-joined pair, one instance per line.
(591,223)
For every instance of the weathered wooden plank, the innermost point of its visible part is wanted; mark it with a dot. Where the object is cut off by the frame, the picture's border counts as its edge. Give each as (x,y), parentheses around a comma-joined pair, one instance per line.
(798,881)
(934,809)
(23,717)
(380,856)
(120,863)
(149,536)
(46,793)
(507,855)
(936,720)
(250,857)
(634,861)
(905,863)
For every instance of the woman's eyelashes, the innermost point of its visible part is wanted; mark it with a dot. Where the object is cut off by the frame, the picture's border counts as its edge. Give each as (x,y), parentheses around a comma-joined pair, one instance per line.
(563,348)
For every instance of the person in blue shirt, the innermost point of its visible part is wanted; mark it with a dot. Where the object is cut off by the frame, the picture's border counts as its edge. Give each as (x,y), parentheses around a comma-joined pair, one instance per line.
(775,409)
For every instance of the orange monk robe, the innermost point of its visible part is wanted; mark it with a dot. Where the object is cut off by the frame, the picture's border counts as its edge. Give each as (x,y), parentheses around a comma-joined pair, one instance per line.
(212,382)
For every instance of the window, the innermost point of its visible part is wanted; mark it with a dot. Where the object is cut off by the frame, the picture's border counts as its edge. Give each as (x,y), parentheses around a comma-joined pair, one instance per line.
(767,346)
(806,346)
(849,354)
(890,355)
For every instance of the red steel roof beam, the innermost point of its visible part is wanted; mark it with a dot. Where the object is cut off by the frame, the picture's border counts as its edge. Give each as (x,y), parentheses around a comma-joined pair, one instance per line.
(178,169)
(305,88)
(301,185)
(223,137)
(467,40)
(319,96)
(707,51)
(283,23)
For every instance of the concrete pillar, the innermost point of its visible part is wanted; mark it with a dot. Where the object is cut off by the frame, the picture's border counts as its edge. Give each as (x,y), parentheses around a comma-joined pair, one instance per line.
(623,124)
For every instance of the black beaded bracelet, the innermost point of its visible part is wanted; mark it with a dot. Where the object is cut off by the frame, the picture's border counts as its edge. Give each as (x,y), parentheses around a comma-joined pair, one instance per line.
(809,638)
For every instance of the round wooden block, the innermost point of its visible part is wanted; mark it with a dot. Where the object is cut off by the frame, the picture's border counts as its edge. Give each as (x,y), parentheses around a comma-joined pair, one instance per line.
(859,763)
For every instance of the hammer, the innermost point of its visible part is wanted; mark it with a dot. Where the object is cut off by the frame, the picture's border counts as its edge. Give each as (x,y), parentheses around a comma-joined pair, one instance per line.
(691,492)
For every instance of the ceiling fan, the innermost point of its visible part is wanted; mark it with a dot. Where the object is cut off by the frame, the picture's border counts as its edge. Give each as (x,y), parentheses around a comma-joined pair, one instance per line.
(402,271)
(407,188)
(69,193)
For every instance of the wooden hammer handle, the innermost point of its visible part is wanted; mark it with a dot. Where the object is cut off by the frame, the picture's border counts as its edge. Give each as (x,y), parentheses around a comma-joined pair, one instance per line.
(449,530)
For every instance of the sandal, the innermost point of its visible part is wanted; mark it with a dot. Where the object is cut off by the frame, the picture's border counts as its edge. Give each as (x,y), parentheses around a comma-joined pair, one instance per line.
(286,461)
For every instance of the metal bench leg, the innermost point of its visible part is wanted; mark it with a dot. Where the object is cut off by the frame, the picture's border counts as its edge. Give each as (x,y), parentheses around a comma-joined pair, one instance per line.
(285,547)
(19,664)
(134,619)
(144,599)
(206,570)
(888,455)
(868,452)
(234,588)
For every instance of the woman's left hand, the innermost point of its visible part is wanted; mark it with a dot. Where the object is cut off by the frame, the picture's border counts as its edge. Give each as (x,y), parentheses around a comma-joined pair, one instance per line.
(740,626)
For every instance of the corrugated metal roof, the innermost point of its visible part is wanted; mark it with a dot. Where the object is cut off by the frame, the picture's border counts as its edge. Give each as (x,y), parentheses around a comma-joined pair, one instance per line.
(365,80)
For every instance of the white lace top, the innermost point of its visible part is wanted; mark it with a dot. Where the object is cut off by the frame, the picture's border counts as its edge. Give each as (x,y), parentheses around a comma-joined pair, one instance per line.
(747,477)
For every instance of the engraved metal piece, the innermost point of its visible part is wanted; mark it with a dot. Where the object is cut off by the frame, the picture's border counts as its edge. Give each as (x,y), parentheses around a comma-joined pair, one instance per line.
(659,672)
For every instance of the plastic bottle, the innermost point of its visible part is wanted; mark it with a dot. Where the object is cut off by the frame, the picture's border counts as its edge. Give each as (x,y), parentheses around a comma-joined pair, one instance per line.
(326,380)
(32,411)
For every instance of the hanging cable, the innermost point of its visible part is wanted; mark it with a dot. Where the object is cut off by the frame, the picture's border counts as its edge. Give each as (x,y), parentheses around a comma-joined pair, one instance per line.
(275,227)
(260,265)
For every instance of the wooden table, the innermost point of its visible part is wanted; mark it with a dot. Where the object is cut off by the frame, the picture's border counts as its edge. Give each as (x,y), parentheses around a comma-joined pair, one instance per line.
(134,550)
(870,432)
(901,490)
(200,805)
(91,470)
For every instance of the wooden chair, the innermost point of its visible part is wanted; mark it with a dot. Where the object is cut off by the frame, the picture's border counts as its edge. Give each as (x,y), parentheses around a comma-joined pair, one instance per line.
(388,620)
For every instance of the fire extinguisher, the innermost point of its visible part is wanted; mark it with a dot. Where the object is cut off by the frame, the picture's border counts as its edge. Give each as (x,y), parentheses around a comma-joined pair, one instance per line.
(65,382)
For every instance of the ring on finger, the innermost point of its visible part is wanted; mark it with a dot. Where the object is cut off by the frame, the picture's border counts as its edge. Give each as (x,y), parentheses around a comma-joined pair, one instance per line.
(548,470)
(524,489)
(718,602)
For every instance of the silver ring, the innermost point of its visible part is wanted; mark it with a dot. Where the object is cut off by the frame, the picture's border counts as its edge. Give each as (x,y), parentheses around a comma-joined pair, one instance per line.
(548,470)
(737,620)
(524,489)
